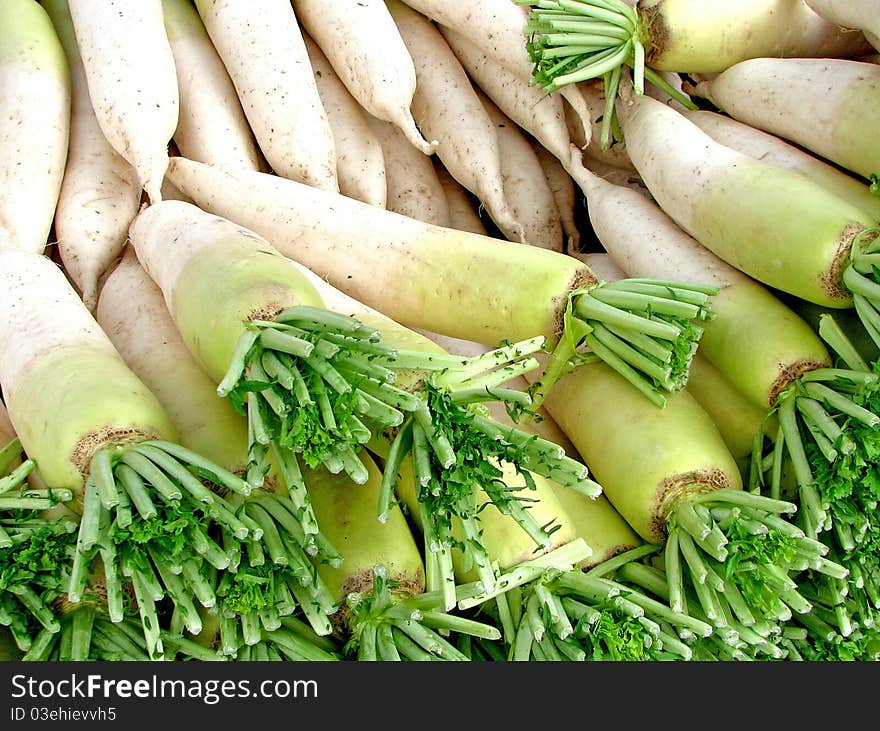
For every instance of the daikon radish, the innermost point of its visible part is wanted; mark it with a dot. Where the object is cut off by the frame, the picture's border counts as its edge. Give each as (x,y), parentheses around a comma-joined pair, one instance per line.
(446,108)
(413,188)
(266,58)
(463,211)
(35,96)
(360,164)
(863,15)
(830,106)
(563,189)
(100,192)
(363,45)
(211,124)
(525,185)
(132,81)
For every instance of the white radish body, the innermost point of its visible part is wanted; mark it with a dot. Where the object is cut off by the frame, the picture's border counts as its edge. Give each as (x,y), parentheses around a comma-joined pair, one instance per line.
(100,192)
(463,214)
(35,96)
(863,15)
(420,275)
(447,109)
(776,151)
(525,185)
(829,106)
(414,189)
(563,189)
(360,164)
(540,114)
(362,43)
(132,81)
(211,127)
(265,56)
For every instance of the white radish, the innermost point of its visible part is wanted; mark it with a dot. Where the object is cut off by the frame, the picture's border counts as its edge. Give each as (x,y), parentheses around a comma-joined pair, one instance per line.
(132,81)
(211,127)
(360,164)
(266,58)
(446,108)
(830,106)
(35,93)
(413,188)
(100,192)
(863,15)
(463,213)
(362,43)
(776,151)
(564,193)
(525,185)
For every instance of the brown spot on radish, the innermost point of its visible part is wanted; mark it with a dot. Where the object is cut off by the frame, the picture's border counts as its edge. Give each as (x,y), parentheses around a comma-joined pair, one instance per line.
(831,281)
(677,487)
(582,278)
(655,32)
(790,372)
(89,444)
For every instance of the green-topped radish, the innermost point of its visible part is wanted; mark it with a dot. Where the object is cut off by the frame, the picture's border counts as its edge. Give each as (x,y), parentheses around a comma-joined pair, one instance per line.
(776,151)
(829,106)
(211,125)
(771,223)
(446,108)
(571,41)
(150,508)
(360,163)
(266,58)
(426,276)
(275,578)
(413,187)
(364,47)
(100,192)
(129,68)
(35,95)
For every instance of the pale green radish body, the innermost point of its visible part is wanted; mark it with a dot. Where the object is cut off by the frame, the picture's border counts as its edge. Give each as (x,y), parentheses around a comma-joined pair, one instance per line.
(463,214)
(211,127)
(643,241)
(363,45)
(562,186)
(525,185)
(831,106)
(50,378)
(35,96)
(496,27)
(422,266)
(413,188)
(256,284)
(266,58)
(100,192)
(7,431)
(863,15)
(132,81)
(773,224)
(360,163)
(776,151)
(446,108)
(156,353)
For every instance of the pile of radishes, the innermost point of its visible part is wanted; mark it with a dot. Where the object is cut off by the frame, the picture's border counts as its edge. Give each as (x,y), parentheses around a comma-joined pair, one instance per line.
(499,330)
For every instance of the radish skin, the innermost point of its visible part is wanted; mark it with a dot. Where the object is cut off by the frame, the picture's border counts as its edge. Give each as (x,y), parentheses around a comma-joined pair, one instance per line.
(563,189)
(830,106)
(730,202)
(120,42)
(863,15)
(446,108)
(360,164)
(211,127)
(525,185)
(463,214)
(362,43)
(413,188)
(776,151)
(35,96)
(266,58)
(403,288)
(100,192)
